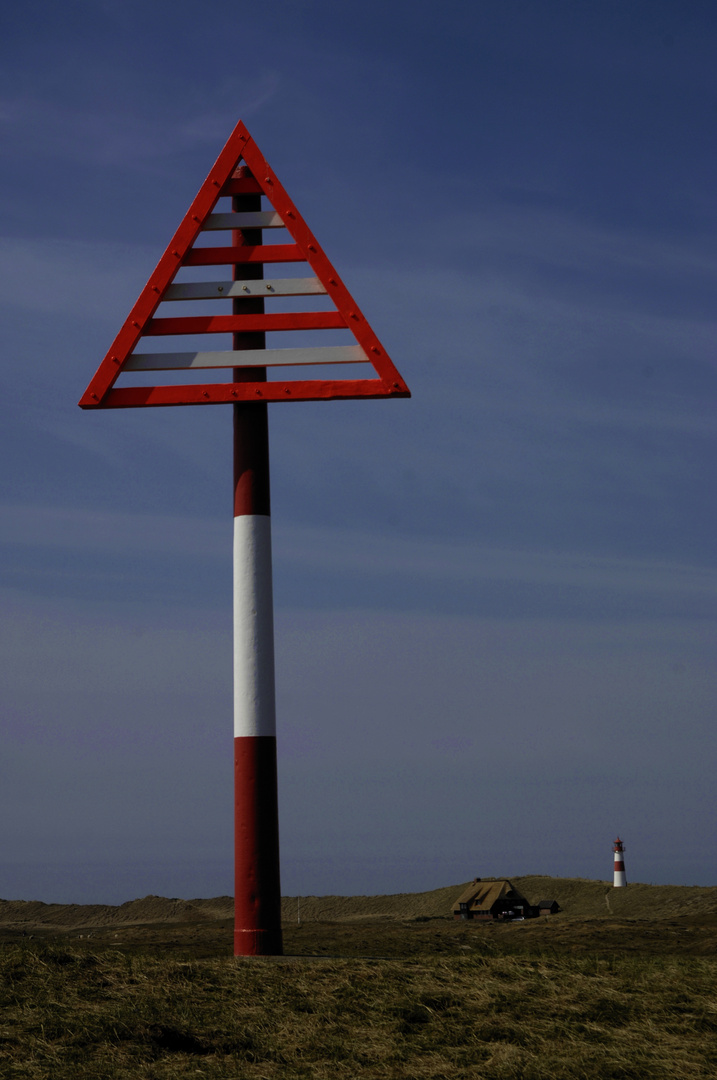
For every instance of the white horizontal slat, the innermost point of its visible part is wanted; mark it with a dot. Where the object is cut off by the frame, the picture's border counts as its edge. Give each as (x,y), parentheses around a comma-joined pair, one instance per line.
(178,361)
(253,219)
(209,290)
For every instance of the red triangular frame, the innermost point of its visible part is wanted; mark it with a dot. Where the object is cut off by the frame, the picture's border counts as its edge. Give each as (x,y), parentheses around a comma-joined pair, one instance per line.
(101,392)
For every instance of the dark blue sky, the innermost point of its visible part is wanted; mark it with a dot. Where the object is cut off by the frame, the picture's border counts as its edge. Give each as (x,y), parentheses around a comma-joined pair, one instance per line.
(495,602)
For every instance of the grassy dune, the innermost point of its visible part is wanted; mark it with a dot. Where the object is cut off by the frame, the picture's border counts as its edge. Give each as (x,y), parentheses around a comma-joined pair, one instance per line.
(376,987)
(576,896)
(433,904)
(81,1015)
(598,898)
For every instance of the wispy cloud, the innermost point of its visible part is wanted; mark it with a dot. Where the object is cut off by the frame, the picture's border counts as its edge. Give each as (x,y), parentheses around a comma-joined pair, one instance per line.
(340,551)
(565,240)
(34,126)
(471,562)
(546,317)
(76,278)
(114,533)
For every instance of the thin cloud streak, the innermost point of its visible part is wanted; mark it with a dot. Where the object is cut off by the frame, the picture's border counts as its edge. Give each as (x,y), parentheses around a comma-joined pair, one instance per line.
(123,138)
(564,240)
(336,551)
(98,531)
(474,562)
(73,278)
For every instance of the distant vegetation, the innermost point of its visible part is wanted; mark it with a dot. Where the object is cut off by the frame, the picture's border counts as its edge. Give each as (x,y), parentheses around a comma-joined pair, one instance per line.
(576,896)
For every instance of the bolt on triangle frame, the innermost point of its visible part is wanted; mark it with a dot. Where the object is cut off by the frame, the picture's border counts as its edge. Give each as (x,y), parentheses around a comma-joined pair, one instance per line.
(242,175)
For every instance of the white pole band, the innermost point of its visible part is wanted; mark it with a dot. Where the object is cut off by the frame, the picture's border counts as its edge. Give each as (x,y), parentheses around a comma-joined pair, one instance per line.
(254,702)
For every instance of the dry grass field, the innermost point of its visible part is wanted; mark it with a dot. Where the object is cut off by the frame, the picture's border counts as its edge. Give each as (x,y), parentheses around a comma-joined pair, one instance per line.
(618,985)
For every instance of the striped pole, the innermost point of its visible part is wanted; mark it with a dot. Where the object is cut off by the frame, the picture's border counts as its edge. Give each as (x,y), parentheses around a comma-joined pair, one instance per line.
(619,880)
(257,889)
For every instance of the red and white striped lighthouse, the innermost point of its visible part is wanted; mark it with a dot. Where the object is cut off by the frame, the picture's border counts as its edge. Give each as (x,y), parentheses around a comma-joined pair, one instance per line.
(619,880)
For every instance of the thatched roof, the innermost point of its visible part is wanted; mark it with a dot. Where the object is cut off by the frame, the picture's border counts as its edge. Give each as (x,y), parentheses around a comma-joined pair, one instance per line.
(481,895)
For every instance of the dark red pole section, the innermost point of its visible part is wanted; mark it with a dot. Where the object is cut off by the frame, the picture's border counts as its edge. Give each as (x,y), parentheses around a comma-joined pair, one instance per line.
(257,888)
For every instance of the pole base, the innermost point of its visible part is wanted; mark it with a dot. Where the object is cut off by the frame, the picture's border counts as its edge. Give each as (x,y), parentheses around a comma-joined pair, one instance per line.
(258,943)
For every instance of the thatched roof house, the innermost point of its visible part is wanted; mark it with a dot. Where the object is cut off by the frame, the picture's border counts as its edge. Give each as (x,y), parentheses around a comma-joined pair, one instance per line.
(492,899)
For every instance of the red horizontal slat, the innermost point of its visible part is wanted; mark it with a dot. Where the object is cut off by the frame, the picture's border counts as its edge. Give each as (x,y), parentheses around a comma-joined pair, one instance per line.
(262,253)
(238,324)
(215,394)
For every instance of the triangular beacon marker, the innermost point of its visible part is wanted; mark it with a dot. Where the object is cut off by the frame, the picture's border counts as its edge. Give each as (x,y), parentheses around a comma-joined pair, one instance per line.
(241,170)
